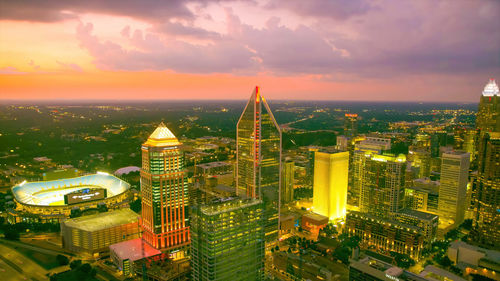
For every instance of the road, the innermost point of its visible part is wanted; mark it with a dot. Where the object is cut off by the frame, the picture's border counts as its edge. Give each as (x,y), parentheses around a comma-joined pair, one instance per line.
(16,267)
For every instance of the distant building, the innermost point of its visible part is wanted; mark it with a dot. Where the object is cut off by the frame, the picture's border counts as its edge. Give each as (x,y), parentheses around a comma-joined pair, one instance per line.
(420,158)
(258,157)
(287,181)
(350,124)
(386,234)
(164,191)
(93,234)
(382,187)
(330,183)
(453,186)
(228,240)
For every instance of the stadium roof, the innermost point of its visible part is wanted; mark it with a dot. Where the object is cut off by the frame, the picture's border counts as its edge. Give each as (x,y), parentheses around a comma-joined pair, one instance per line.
(103,220)
(51,193)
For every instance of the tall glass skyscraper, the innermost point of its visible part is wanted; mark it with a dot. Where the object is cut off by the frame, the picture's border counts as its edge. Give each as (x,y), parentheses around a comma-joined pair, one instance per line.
(258,156)
(228,240)
(487,200)
(164,191)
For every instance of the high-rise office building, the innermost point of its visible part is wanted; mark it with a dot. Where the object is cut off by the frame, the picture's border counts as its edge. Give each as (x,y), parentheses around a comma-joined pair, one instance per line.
(421,159)
(487,199)
(465,139)
(287,181)
(228,240)
(371,145)
(487,184)
(330,184)
(164,191)
(258,157)
(453,187)
(350,125)
(487,119)
(382,187)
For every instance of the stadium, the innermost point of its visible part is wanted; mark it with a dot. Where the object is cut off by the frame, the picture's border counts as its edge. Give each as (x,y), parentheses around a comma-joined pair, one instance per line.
(52,201)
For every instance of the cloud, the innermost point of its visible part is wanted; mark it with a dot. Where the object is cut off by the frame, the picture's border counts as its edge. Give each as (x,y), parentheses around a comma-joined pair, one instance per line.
(151,52)
(9,70)
(70,66)
(335,9)
(55,10)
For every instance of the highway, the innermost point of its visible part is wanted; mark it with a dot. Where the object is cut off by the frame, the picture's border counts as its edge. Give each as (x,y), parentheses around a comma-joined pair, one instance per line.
(16,267)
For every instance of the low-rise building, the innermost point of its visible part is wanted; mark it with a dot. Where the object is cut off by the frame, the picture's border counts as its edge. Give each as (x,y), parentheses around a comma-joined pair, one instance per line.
(93,234)
(426,221)
(475,260)
(386,235)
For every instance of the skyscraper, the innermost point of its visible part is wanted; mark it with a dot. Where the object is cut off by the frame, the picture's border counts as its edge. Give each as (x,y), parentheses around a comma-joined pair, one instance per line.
(350,125)
(453,187)
(287,181)
(487,205)
(487,119)
(228,240)
(382,188)
(330,184)
(258,157)
(487,185)
(164,191)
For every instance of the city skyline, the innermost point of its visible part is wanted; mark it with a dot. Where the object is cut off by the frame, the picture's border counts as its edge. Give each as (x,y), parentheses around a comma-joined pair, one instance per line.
(343,50)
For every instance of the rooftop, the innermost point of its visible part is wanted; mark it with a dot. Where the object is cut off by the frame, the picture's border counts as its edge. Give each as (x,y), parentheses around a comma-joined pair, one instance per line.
(491,89)
(103,220)
(418,214)
(162,136)
(133,250)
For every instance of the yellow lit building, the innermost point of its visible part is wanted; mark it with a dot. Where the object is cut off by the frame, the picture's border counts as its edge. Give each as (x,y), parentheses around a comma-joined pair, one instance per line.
(330,184)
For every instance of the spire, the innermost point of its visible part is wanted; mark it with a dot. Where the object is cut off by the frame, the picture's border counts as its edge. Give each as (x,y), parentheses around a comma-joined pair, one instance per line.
(162,136)
(491,89)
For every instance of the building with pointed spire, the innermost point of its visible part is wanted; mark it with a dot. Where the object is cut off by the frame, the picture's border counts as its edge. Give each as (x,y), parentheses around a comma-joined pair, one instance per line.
(258,157)
(486,230)
(164,191)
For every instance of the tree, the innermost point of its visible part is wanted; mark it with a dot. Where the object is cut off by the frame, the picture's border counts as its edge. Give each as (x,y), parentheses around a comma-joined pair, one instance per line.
(62,260)
(467,224)
(445,262)
(75,263)
(11,234)
(136,206)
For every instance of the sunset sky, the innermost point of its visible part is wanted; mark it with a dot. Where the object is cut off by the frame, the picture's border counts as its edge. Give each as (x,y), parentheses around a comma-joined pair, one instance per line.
(372,50)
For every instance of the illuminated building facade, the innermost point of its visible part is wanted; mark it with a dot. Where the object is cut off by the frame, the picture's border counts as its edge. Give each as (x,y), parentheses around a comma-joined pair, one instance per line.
(382,187)
(488,113)
(330,183)
(93,234)
(487,201)
(453,185)
(386,234)
(287,181)
(350,124)
(164,191)
(258,157)
(228,240)
(487,198)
